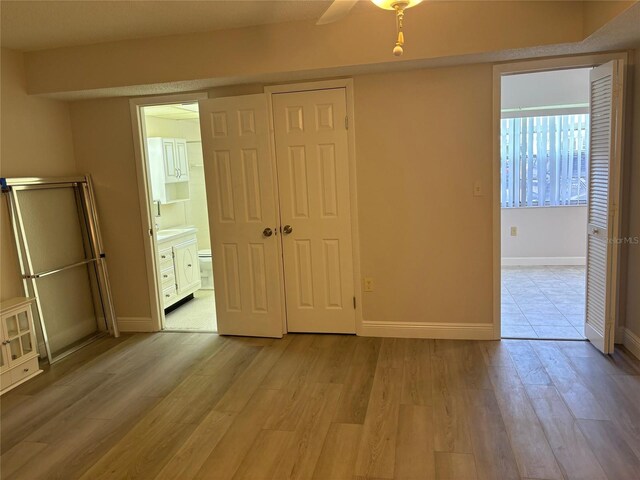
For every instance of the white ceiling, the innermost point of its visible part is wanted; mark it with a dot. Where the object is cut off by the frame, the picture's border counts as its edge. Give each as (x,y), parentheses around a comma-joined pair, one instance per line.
(173,112)
(39,25)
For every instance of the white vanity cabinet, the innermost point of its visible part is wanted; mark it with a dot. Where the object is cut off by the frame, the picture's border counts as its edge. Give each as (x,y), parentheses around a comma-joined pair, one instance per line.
(187,268)
(179,267)
(18,354)
(169,169)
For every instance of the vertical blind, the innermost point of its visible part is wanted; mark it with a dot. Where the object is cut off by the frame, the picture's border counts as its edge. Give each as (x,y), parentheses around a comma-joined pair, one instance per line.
(544,160)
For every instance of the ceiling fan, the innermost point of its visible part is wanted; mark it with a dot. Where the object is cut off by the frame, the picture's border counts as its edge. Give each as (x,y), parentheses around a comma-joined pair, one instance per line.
(340,8)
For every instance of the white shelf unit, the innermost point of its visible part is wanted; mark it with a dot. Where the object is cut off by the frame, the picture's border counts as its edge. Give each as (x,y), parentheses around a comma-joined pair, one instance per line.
(169,169)
(18,353)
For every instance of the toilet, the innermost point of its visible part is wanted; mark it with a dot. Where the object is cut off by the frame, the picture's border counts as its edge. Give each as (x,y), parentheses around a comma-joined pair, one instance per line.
(206,268)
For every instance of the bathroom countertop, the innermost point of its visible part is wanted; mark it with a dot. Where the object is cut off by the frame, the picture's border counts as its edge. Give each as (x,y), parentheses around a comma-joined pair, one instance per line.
(169,233)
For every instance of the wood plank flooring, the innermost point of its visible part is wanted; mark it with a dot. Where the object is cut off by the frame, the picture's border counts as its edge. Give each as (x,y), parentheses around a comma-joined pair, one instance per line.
(325,407)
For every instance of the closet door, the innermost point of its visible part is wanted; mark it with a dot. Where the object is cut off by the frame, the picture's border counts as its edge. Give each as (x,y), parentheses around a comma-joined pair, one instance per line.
(605,105)
(313,178)
(243,215)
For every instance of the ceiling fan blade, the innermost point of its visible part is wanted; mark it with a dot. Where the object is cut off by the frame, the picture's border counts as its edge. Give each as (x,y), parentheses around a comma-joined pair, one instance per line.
(337,10)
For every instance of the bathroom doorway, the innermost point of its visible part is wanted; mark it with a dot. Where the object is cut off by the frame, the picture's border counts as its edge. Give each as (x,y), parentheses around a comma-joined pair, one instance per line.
(175,192)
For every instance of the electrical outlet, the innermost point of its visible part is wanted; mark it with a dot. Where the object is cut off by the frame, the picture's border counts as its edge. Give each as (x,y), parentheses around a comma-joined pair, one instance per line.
(368,284)
(477,189)
(514,231)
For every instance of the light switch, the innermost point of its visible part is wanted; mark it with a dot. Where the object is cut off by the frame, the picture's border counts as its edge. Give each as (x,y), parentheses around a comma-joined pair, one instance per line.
(514,231)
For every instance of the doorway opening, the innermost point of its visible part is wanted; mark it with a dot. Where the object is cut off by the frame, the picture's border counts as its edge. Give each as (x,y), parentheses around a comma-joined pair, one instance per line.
(178,204)
(544,176)
(606,100)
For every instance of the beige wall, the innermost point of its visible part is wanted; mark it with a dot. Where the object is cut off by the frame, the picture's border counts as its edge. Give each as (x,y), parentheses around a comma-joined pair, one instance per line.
(103,142)
(35,140)
(421,255)
(597,14)
(425,238)
(633,230)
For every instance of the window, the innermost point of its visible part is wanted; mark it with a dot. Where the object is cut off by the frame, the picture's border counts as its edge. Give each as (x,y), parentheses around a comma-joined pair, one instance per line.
(544,160)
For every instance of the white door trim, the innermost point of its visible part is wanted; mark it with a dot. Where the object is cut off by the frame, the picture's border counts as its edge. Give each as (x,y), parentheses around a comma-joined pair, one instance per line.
(347,84)
(144,186)
(530,66)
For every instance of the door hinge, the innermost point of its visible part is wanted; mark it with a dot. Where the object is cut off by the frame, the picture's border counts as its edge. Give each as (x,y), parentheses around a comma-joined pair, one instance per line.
(346,122)
(354,303)
(613,209)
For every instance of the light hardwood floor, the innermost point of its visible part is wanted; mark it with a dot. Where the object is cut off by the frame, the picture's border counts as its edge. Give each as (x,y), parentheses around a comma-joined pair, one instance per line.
(198,406)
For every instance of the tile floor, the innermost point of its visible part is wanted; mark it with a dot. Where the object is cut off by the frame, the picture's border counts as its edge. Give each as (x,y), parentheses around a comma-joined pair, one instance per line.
(197,315)
(543,302)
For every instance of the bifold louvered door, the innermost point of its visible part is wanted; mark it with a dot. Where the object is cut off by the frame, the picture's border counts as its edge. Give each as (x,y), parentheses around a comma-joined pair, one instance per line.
(602,230)
(243,215)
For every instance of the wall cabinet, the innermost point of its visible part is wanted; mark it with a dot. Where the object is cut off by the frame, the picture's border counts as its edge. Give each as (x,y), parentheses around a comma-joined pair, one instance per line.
(169,169)
(179,267)
(18,354)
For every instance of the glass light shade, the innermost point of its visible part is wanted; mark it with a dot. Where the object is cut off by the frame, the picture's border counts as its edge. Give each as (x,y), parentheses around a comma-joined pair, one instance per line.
(390,4)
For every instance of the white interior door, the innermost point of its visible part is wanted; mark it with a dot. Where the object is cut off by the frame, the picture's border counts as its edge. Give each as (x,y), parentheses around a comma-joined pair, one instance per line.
(313,178)
(604,191)
(242,215)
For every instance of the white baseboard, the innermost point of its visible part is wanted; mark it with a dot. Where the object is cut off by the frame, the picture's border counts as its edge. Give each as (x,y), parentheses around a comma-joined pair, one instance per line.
(136,324)
(632,342)
(533,261)
(453,331)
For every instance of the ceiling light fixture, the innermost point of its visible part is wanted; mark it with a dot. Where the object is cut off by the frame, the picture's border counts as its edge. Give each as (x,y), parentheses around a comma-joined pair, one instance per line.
(399,6)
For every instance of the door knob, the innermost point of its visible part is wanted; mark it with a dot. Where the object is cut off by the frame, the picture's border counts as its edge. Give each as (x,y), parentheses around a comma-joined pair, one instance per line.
(287,229)
(267,232)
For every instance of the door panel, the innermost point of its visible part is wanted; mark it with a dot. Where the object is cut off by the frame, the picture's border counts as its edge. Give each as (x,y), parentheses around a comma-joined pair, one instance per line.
(604,165)
(242,204)
(313,175)
(169,154)
(182,162)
